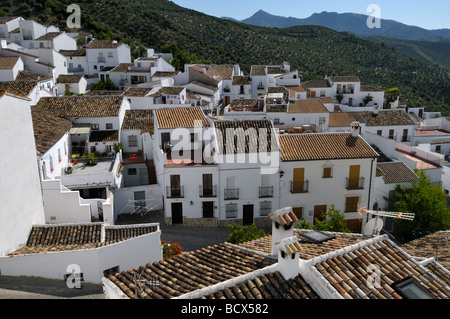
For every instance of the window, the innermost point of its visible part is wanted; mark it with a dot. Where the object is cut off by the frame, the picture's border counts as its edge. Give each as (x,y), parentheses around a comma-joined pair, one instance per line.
(322,93)
(265,208)
(276,121)
(391,134)
(109,126)
(412,289)
(111,271)
(380,132)
(95,67)
(132,171)
(95,127)
(327,172)
(132,141)
(438,149)
(351,204)
(108,148)
(41,44)
(110,54)
(231,210)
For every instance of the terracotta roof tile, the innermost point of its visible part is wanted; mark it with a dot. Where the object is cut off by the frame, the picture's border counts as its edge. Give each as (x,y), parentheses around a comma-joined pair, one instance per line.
(103,44)
(31,76)
(307,106)
(82,106)
(189,272)
(137,91)
(395,172)
(68,78)
(179,117)
(49,36)
(48,129)
(344,78)
(223,71)
(383,118)
(426,247)
(244,136)
(19,88)
(349,274)
(258,70)
(241,80)
(323,146)
(63,237)
(8,62)
(138,120)
(340,119)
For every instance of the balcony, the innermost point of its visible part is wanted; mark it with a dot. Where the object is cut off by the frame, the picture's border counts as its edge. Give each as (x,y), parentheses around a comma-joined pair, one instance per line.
(175,192)
(209,191)
(231,193)
(101,59)
(299,187)
(347,91)
(75,70)
(266,192)
(355,183)
(260,87)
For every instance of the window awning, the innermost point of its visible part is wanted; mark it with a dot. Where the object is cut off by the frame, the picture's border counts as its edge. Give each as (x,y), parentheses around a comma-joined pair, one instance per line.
(80,129)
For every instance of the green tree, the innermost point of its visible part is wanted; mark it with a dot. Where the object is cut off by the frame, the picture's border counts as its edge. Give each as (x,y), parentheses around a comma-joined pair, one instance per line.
(333,220)
(106,85)
(241,234)
(429,204)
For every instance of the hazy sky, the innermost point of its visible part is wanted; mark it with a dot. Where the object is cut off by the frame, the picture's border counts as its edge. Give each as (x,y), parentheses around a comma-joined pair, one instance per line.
(430,14)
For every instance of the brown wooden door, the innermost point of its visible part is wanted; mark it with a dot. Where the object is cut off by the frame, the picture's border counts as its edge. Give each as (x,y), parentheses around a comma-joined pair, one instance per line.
(319,212)
(299,179)
(175,185)
(298,211)
(313,93)
(353,176)
(207,185)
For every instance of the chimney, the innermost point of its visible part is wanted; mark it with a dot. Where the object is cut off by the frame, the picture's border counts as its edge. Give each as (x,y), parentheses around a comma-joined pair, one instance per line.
(375,110)
(283,220)
(288,257)
(355,126)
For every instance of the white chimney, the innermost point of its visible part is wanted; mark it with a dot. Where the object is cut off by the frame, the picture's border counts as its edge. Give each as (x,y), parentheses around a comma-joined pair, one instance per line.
(355,126)
(283,220)
(288,257)
(375,109)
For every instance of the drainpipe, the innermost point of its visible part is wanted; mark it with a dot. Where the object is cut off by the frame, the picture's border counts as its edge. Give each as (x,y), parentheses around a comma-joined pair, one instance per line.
(370,187)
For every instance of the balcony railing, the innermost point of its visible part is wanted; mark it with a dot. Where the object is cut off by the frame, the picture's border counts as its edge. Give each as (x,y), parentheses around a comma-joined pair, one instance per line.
(75,70)
(209,191)
(348,91)
(175,192)
(355,183)
(266,192)
(101,59)
(231,193)
(299,187)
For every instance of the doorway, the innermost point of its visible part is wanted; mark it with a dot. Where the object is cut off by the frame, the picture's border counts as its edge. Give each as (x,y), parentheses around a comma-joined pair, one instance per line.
(177,213)
(247,218)
(208,209)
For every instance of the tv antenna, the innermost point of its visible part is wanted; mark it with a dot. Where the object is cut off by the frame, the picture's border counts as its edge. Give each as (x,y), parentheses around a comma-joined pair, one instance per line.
(138,282)
(374,226)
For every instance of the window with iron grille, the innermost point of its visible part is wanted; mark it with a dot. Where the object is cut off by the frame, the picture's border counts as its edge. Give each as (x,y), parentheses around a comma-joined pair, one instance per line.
(265,208)
(231,210)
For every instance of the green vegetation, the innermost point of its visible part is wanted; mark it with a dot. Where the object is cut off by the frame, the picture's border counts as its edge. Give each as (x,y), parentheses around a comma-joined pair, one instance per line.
(171,250)
(106,85)
(241,234)
(333,220)
(313,50)
(429,204)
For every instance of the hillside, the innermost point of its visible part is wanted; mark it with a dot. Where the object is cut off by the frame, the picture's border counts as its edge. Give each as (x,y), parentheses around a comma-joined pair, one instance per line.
(313,50)
(349,22)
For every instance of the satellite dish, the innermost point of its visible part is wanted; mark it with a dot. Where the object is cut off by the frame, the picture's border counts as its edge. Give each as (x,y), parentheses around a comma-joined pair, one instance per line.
(373,226)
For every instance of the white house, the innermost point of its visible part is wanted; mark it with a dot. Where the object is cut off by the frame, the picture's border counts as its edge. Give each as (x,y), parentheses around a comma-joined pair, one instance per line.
(76,61)
(325,169)
(20,187)
(105,53)
(8,24)
(71,83)
(240,88)
(263,76)
(53,40)
(10,67)
(28,89)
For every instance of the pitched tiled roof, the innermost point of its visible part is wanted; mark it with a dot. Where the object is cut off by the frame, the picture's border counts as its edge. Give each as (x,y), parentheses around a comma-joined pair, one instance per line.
(48,129)
(309,249)
(258,70)
(31,76)
(189,272)
(304,147)
(137,91)
(426,247)
(63,237)
(269,286)
(168,90)
(344,79)
(383,118)
(79,52)
(68,78)
(19,88)
(241,80)
(8,62)
(347,271)
(103,44)
(179,117)
(316,84)
(82,106)
(244,103)
(49,36)
(339,119)
(138,120)
(223,71)
(395,172)
(307,106)
(231,135)
(104,136)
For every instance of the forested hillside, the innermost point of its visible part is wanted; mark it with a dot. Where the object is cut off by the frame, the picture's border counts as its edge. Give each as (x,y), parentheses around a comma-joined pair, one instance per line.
(315,51)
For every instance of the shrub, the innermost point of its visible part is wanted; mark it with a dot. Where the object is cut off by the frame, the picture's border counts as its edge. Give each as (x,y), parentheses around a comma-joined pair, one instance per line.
(241,234)
(171,250)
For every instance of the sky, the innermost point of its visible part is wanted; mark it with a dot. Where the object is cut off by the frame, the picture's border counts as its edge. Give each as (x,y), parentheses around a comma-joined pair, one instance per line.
(430,14)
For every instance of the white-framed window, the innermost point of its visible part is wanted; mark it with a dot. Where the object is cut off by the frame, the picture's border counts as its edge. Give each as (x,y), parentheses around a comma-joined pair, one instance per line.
(95,127)
(109,126)
(265,208)
(231,210)
(132,141)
